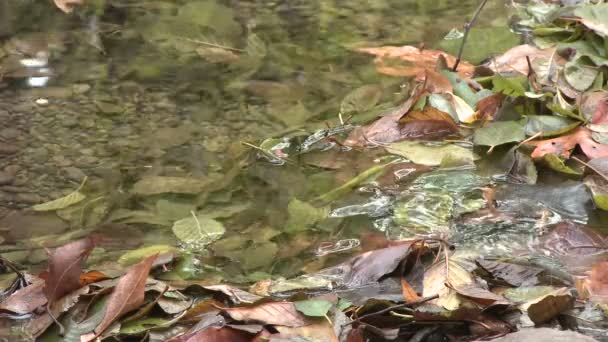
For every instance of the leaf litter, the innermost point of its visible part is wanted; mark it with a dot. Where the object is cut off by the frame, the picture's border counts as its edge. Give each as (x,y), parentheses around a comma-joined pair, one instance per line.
(547,117)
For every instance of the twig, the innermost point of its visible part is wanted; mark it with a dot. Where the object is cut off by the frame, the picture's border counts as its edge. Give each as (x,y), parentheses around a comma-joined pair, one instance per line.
(391,308)
(467,28)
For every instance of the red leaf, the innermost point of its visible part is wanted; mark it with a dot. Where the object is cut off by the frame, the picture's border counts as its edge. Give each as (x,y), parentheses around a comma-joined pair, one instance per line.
(597,283)
(65,267)
(127,295)
(564,145)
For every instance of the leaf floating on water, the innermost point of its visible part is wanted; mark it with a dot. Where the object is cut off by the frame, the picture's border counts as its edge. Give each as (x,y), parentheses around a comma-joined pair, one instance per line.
(62,202)
(198,230)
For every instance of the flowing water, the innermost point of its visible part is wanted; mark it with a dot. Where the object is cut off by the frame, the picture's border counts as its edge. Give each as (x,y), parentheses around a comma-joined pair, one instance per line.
(120,95)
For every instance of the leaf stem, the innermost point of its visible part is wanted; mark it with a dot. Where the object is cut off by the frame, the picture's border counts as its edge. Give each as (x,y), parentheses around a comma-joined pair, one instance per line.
(467,27)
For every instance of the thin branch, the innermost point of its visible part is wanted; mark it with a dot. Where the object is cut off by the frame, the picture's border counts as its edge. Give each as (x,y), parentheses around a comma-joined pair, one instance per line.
(391,308)
(467,28)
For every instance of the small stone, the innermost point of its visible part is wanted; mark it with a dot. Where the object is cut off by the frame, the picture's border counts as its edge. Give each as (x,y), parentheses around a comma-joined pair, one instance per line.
(81,88)
(6,148)
(10,133)
(27,198)
(74,173)
(6,178)
(109,108)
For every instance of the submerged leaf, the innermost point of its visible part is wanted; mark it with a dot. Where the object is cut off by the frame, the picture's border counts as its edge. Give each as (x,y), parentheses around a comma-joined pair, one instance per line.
(420,153)
(498,133)
(198,230)
(154,185)
(60,203)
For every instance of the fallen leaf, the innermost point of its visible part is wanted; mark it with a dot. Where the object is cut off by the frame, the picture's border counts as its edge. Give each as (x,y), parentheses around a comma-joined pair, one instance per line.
(563,146)
(215,334)
(27,299)
(431,155)
(318,331)
(126,296)
(38,325)
(545,335)
(408,291)
(593,106)
(594,17)
(65,268)
(60,203)
(498,133)
(275,313)
(597,283)
(440,278)
(154,185)
(599,190)
(428,124)
(514,60)
(314,307)
(511,274)
(414,60)
(489,105)
(545,308)
(198,230)
(67,5)
(463,110)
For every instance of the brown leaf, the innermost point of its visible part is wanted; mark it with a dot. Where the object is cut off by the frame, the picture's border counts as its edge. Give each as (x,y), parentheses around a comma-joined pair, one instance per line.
(514,60)
(597,283)
(369,267)
(488,106)
(320,330)
(276,313)
(65,267)
(545,308)
(512,274)
(127,295)
(386,129)
(413,61)
(215,334)
(429,124)
(38,325)
(67,5)
(409,293)
(593,106)
(27,299)
(563,146)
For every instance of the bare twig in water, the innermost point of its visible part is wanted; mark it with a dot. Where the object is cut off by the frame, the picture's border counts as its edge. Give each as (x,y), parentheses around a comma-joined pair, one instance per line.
(467,28)
(391,308)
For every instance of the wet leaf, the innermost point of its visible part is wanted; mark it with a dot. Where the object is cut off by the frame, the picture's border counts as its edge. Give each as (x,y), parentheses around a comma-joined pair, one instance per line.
(549,125)
(514,60)
(275,313)
(594,17)
(303,216)
(154,185)
(512,274)
(463,110)
(599,190)
(37,326)
(564,145)
(545,308)
(489,105)
(126,296)
(60,203)
(198,230)
(556,163)
(215,334)
(414,61)
(137,255)
(428,124)
(597,283)
(27,299)
(65,267)
(431,155)
(439,275)
(580,76)
(314,307)
(498,133)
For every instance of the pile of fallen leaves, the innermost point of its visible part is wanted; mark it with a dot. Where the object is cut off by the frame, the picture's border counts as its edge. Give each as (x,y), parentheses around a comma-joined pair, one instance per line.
(415,289)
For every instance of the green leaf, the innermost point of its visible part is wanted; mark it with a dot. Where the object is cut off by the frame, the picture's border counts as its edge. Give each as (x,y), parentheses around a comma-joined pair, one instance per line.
(154,185)
(60,203)
(198,230)
(599,190)
(135,256)
(343,304)
(498,133)
(303,216)
(314,307)
(580,76)
(431,155)
(594,17)
(558,164)
(512,86)
(549,125)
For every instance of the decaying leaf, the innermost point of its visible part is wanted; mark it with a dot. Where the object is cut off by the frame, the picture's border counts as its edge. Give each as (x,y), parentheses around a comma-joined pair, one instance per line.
(27,299)
(564,145)
(126,296)
(514,60)
(275,313)
(415,61)
(65,267)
